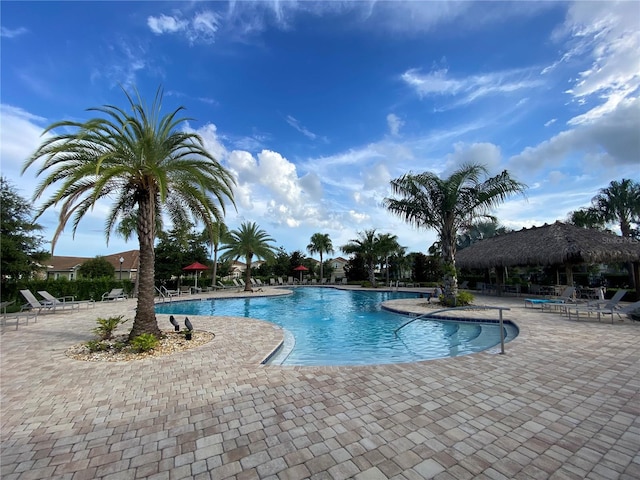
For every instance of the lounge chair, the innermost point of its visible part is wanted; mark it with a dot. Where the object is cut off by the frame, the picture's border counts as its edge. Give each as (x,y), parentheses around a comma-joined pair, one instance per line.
(259,282)
(114,294)
(565,297)
(164,291)
(617,309)
(464,285)
(35,305)
(17,316)
(280,282)
(65,302)
(185,290)
(223,286)
(597,307)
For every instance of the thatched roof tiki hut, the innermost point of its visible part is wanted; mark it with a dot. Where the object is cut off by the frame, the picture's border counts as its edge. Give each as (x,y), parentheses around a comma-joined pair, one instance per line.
(558,244)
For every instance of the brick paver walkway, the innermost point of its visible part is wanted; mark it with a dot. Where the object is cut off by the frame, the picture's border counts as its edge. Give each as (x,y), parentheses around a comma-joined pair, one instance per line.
(563,403)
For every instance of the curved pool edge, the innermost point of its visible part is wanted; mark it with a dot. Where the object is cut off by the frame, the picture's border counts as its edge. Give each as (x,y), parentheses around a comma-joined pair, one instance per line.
(424,311)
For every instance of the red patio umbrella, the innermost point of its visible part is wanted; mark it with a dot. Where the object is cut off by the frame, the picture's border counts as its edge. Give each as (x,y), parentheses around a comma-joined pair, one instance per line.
(301,268)
(195,267)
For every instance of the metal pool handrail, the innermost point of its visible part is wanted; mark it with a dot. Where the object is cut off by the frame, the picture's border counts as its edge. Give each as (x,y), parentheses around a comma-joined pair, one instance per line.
(469,307)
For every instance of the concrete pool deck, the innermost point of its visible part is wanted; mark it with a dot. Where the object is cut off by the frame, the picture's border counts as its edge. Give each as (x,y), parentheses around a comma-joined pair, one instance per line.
(563,403)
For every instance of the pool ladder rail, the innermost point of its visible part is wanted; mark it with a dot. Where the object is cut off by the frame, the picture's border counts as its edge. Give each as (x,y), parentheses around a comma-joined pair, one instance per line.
(455,309)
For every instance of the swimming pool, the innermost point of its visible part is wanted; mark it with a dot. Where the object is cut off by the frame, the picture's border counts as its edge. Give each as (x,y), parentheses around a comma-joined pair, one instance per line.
(329,326)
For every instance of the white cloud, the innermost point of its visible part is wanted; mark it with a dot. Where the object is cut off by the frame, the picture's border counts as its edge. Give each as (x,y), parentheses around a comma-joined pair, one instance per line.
(211,141)
(296,124)
(12,32)
(550,122)
(468,89)
(606,35)
(20,136)
(486,154)
(166,24)
(394,123)
(201,27)
(124,59)
(612,138)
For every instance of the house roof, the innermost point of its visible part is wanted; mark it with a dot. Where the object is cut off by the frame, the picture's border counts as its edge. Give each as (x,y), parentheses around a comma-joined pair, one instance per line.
(62,263)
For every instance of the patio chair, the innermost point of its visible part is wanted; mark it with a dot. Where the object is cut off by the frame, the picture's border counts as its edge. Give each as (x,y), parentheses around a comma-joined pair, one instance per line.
(567,295)
(598,306)
(35,305)
(223,286)
(616,309)
(185,290)
(168,293)
(62,302)
(114,294)
(17,316)
(272,282)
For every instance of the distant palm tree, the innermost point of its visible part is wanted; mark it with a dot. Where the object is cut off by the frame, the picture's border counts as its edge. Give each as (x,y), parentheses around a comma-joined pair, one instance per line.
(219,234)
(449,204)
(248,241)
(145,166)
(387,244)
(321,244)
(619,203)
(367,247)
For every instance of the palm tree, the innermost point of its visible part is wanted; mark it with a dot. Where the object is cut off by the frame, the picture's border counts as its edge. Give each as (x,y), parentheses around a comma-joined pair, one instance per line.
(367,247)
(320,243)
(248,241)
(146,166)
(619,203)
(387,244)
(449,204)
(219,234)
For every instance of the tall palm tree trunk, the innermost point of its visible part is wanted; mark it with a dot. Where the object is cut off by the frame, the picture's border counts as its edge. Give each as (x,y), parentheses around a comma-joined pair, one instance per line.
(247,276)
(449,267)
(215,266)
(145,319)
(321,268)
(372,273)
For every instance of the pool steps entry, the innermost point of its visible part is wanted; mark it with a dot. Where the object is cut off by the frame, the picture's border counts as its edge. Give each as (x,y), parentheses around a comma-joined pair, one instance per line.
(434,315)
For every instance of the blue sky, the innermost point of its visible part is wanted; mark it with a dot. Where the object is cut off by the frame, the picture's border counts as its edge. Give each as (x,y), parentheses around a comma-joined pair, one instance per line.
(315,107)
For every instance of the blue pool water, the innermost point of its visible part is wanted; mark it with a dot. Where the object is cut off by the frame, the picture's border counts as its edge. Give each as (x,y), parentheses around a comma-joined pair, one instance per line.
(328,326)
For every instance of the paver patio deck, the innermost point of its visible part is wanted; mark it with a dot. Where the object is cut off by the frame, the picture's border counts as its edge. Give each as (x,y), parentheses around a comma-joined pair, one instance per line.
(563,403)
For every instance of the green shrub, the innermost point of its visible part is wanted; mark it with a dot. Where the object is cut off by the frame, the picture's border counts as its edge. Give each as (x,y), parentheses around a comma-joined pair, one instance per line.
(464,298)
(106,326)
(97,346)
(144,342)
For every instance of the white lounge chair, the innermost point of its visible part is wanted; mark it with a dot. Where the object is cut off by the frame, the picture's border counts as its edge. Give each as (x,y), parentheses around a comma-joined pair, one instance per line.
(63,302)
(35,305)
(598,307)
(168,293)
(114,294)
